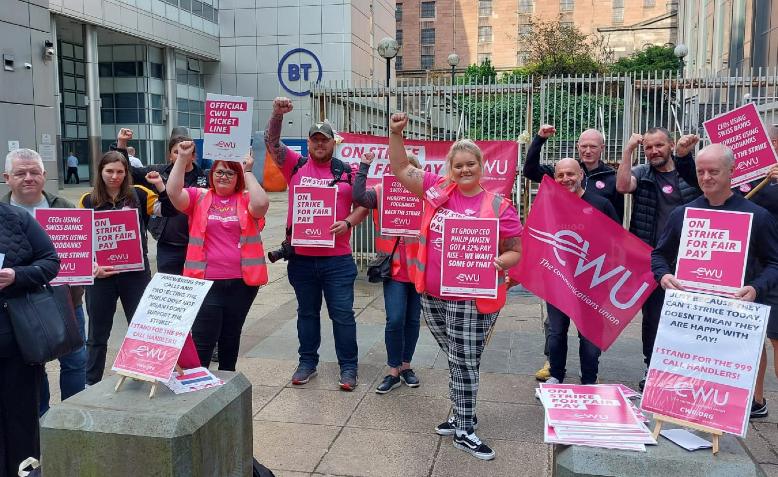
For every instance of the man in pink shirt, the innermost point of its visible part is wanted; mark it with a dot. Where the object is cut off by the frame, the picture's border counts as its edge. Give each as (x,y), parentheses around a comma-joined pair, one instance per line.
(320,271)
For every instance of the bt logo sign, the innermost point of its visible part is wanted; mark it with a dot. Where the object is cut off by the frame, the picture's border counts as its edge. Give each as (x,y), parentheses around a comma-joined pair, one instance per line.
(297,68)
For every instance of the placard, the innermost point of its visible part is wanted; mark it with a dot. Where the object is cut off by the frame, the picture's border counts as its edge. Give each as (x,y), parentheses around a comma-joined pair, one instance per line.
(714,249)
(705,360)
(227,127)
(71,232)
(400,209)
(160,325)
(742,131)
(192,380)
(313,213)
(469,250)
(117,233)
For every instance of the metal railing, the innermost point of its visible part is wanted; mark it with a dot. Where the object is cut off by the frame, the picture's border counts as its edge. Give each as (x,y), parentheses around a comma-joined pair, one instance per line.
(616,105)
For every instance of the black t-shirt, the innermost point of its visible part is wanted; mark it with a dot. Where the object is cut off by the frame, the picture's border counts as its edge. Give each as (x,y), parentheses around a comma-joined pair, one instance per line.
(669,197)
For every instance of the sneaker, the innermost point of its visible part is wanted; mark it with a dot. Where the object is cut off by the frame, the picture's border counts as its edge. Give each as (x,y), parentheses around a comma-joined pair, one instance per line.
(348,379)
(449,428)
(303,375)
(471,443)
(390,382)
(409,378)
(552,380)
(758,410)
(543,373)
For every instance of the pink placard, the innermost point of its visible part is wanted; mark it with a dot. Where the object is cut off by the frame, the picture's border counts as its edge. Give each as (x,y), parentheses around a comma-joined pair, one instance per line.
(584,263)
(313,213)
(118,242)
(714,249)
(742,131)
(705,358)
(598,407)
(400,209)
(159,327)
(71,232)
(469,249)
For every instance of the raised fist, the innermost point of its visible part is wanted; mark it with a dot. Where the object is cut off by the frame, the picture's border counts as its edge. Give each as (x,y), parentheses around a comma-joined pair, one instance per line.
(186,150)
(154,178)
(248,161)
(282,105)
(546,131)
(124,136)
(634,141)
(686,144)
(397,122)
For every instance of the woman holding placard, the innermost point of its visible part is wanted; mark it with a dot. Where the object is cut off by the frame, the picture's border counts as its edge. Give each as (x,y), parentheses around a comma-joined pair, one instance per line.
(224,246)
(114,190)
(401,301)
(460,324)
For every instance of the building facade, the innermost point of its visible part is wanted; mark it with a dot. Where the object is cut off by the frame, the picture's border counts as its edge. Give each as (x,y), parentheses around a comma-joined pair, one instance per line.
(99,65)
(729,35)
(430,30)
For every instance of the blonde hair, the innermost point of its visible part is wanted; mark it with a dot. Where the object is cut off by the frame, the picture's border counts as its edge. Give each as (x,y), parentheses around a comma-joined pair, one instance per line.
(464,145)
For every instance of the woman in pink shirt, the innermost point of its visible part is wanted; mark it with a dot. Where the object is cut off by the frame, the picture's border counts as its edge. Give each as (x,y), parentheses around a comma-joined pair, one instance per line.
(224,246)
(460,325)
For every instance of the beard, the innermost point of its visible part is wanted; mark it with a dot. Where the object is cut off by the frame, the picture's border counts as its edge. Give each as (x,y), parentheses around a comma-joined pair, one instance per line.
(658,162)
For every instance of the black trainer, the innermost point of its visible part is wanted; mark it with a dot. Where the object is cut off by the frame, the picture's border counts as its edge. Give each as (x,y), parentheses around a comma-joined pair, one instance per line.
(390,382)
(471,443)
(758,410)
(409,378)
(449,428)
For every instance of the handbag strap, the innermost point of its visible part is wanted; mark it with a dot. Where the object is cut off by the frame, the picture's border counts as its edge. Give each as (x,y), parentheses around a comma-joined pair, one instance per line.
(396,243)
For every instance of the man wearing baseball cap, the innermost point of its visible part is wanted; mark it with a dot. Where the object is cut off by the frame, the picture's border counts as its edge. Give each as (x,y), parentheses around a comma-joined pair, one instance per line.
(316,272)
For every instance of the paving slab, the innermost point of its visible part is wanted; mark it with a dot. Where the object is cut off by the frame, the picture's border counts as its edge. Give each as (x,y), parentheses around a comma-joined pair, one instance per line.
(511,459)
(517,422)
(369,452)
(292,447)
(311,406)
(406,412)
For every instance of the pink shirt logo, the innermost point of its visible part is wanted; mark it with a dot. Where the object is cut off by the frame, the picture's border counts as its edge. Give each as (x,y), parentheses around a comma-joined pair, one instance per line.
(599,184)
(668,189)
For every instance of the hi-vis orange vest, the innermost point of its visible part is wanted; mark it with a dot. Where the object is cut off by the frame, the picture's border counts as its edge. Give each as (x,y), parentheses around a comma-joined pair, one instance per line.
(252,254)
(385,244)
(492,206)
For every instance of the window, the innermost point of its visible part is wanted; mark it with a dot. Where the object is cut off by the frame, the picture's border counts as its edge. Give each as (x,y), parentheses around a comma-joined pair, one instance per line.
(525,29)
(484,57)
(618,12)
(566,5)
(398,63)
(156,70)
(427,61)
(567,24)
(522,58)
(105,70)
(484,34)
(398,12)
(427,36)
(123,69)
(485,8)
(427,10)
(398,35)
(526,6)
(649,3)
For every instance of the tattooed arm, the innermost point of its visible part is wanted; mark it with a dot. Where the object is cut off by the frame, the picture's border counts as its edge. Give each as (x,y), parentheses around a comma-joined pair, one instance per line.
(275,147)
(510,253)
(409,176)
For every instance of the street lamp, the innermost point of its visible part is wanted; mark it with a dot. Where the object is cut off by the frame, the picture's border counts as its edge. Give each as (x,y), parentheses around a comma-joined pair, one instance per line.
(453,60)
(388,48)
(680,52)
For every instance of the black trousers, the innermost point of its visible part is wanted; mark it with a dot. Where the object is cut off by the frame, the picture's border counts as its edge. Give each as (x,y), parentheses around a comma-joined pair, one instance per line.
(101,306)
(652,311)
(171,258)
(221,319)
(19,402)
(72,171)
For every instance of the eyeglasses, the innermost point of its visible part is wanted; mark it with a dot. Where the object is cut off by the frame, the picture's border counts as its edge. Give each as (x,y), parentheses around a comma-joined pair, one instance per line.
(224,173)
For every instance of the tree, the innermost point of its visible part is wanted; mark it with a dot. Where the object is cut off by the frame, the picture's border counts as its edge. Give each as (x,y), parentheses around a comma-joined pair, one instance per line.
(485,73)
(650,58)
(558,48)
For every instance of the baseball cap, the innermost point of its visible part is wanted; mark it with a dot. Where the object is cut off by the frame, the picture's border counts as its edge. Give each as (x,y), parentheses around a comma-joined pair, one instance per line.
(321,128)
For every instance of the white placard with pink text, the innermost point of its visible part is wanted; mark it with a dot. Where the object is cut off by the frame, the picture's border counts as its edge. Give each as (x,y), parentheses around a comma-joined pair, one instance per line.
(227,127)
(469,249)
(313,214)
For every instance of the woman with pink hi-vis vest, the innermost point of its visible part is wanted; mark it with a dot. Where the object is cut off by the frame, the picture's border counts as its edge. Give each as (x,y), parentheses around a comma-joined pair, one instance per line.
(460,325)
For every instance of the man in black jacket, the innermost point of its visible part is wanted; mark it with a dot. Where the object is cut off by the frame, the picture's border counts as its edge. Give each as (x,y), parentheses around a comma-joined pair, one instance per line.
(569,174)
(598,179)
(657,189)
(172,229)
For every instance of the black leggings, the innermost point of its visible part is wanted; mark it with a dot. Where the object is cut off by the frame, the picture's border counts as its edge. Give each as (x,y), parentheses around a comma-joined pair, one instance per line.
(19,400)
(221,319)
(101,306)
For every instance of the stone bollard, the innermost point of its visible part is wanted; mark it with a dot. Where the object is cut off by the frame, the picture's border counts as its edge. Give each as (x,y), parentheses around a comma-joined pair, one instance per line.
(101,433)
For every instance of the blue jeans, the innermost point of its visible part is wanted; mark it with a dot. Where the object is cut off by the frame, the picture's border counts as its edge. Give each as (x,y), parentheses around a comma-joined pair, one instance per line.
(403,308)
(72,369)
(588,353)
(333,278)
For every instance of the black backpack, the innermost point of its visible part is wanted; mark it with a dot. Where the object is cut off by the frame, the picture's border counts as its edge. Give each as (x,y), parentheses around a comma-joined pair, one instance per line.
(261,471)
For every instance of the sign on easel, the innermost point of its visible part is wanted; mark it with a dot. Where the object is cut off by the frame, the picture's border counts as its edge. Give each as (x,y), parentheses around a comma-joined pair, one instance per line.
(159,327)
(705,361)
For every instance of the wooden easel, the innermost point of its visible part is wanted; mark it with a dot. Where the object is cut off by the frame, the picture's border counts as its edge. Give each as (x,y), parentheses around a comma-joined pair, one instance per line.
(660,419)
(124,375)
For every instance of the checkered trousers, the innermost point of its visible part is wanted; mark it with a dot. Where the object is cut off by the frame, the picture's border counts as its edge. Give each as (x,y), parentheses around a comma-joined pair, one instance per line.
(461,332)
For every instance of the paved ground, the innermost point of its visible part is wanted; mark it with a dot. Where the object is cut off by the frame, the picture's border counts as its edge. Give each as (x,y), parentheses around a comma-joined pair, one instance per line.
(317,429)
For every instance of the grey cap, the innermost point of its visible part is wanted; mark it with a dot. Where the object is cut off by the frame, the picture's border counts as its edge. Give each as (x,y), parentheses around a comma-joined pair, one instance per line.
(321,128)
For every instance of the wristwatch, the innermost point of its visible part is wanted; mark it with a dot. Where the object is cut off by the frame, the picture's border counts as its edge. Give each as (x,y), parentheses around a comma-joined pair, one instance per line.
(348,224)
